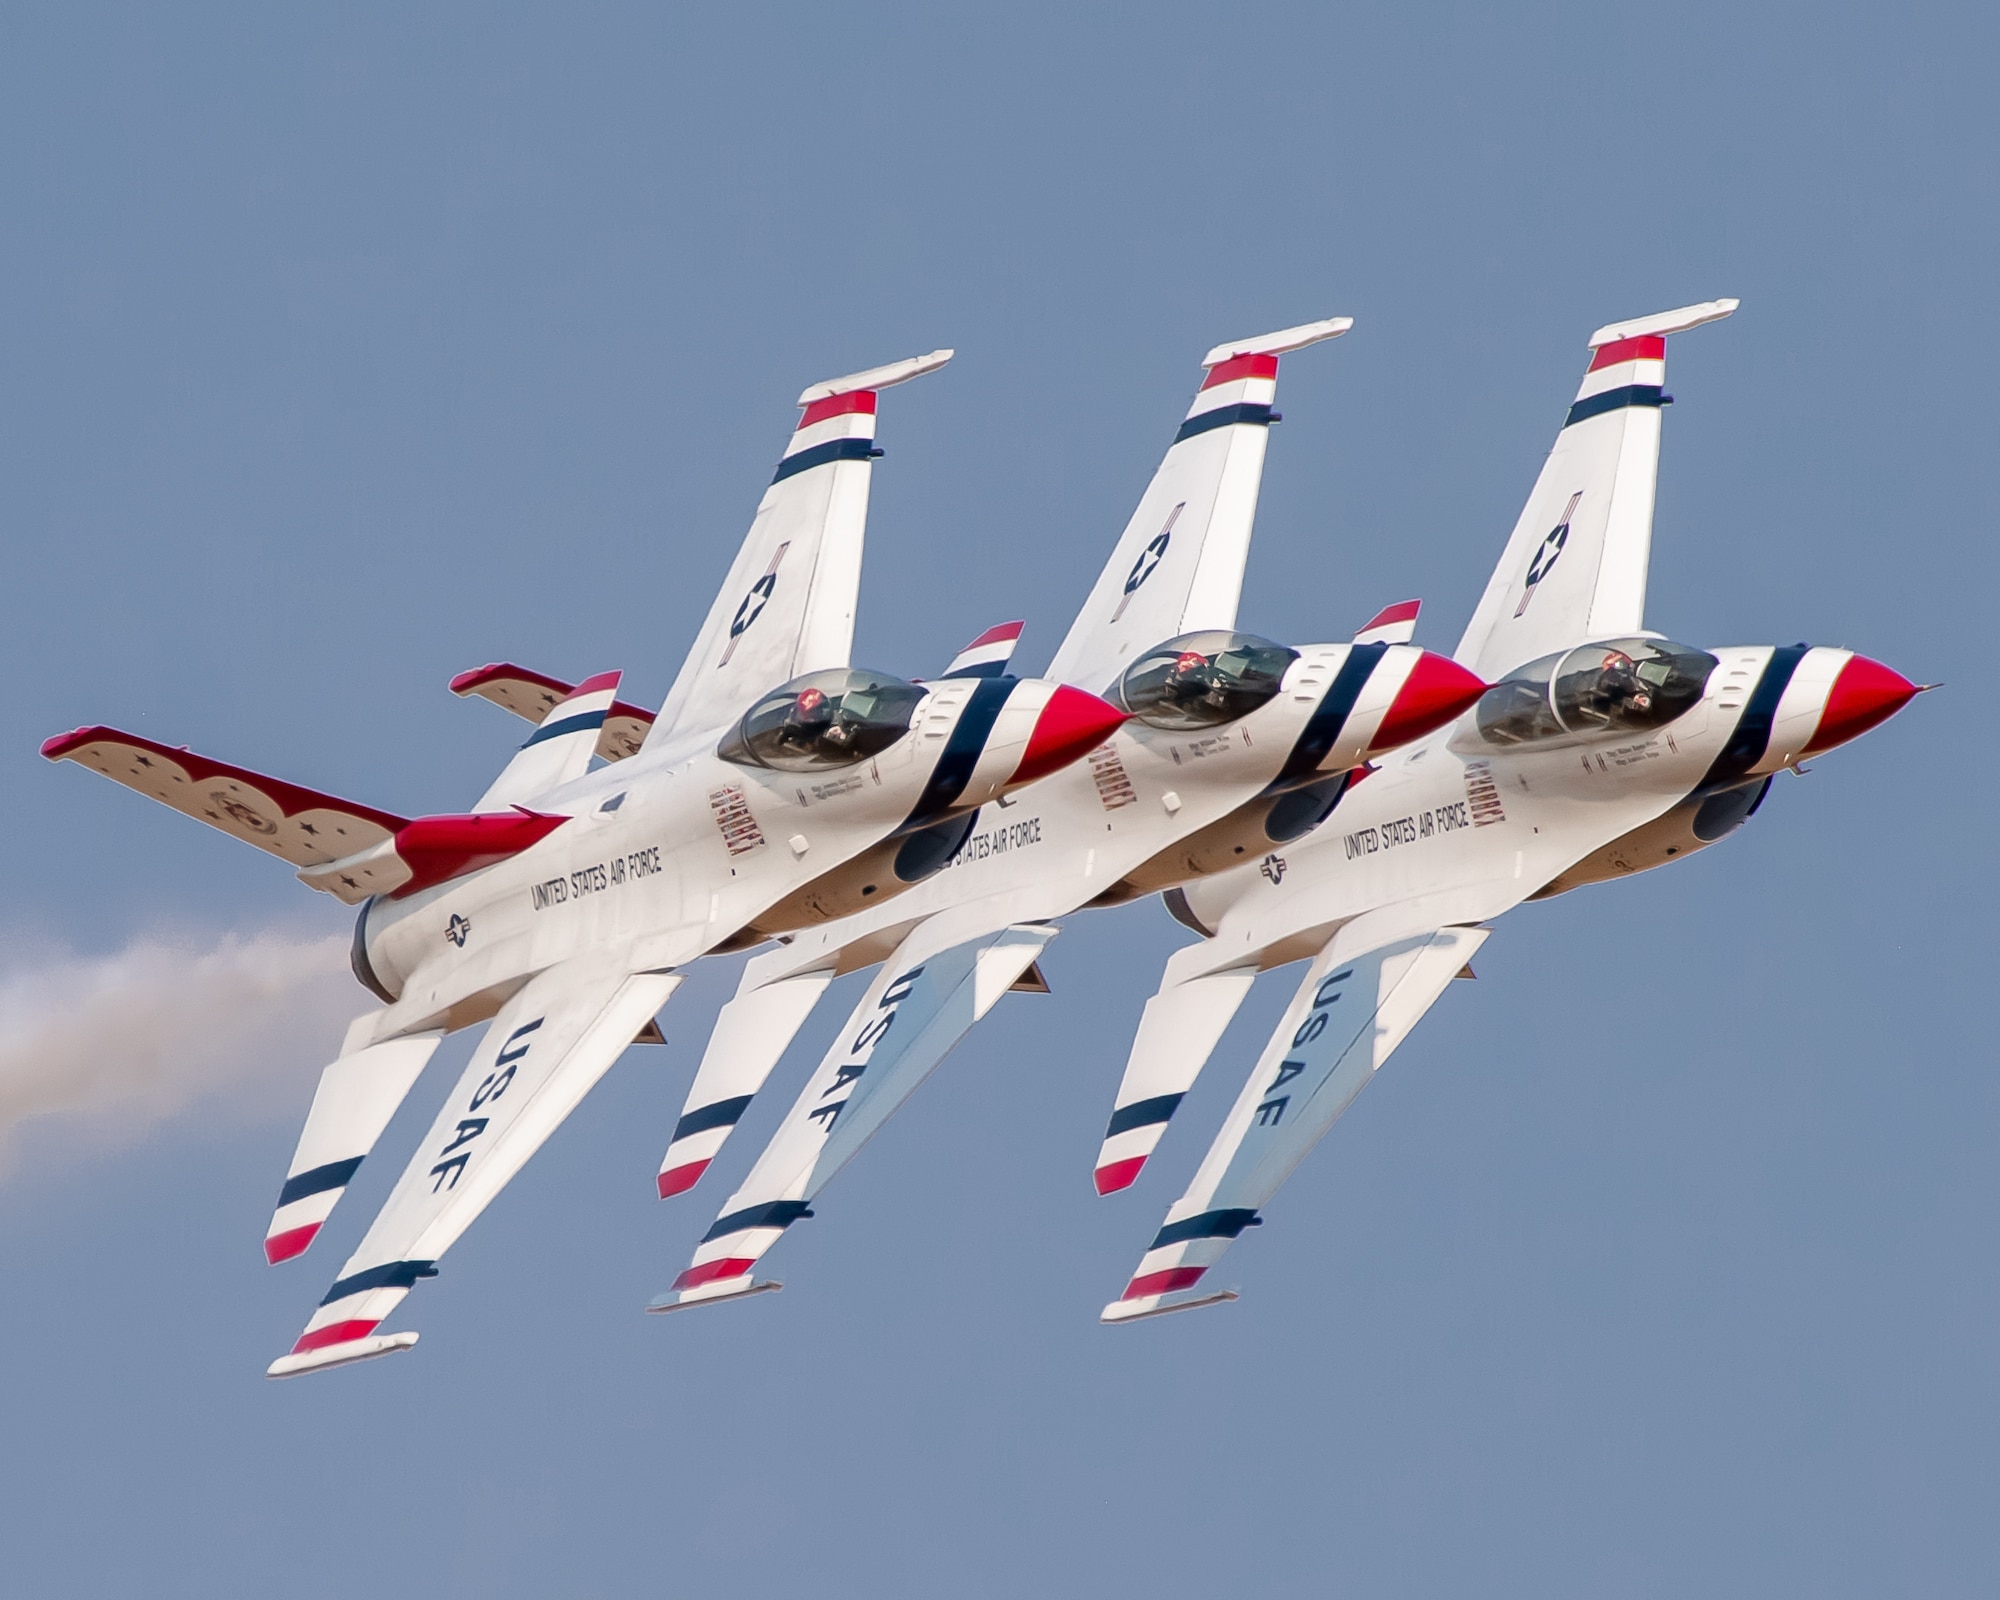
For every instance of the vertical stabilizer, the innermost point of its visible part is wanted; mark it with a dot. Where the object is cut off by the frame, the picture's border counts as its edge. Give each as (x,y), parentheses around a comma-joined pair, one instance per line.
(1575,567)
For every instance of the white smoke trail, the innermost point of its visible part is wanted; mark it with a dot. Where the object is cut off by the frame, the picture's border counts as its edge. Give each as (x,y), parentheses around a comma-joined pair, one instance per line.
(123,1041)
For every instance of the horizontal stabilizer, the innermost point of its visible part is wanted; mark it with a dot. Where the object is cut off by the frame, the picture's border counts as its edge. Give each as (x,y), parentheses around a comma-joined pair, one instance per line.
(298,825)
(532,695)
(988,655)
(340,1355)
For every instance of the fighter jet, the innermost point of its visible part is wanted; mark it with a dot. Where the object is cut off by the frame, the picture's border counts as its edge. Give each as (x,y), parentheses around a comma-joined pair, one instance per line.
(1603,749)
(561,910)
(1235,744)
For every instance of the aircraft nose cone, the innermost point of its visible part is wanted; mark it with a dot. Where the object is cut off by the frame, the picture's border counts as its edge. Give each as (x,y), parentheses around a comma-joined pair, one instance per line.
(1436,692)
(1073,723)
(1865,693)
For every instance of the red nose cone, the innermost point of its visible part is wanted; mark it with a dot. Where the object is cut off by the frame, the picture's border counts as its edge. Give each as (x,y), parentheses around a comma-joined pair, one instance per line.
(1865,693)
(1436,691)
(1072,724)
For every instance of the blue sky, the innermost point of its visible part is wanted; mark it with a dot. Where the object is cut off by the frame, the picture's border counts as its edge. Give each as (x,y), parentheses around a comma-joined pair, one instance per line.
(340,353)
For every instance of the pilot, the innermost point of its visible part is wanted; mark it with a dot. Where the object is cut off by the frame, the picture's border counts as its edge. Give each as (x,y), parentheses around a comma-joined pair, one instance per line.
(1619,686)
(810,721)
(1192,680)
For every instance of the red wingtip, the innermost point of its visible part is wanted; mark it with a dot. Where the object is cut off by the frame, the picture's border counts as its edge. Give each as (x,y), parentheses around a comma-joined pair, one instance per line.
(1072,724)
(714,1271)
(335,1333)
(61,745)
(1116,1175)
(1437,690)
(678,1180)
(1165,1282)
(293,1242)
(1865,693)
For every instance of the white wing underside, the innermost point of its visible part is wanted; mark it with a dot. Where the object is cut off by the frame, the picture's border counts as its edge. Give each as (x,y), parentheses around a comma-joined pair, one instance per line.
(541,1054)
(1357,1002)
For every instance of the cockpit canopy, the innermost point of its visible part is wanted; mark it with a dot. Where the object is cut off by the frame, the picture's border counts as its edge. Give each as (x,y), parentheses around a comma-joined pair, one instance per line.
(823,720)
(1616,686)
(1202,679)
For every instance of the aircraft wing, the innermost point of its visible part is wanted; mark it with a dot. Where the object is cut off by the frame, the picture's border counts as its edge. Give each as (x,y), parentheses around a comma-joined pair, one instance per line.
(533,695)
(1359,1000)
(787,606)
(921,1003)
(1575,566)
(541,1054)
(298,825)
(1178,567)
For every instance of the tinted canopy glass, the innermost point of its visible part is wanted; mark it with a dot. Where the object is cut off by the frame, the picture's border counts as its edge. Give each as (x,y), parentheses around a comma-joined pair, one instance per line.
(1617,686)
(824,720)
(1202,679)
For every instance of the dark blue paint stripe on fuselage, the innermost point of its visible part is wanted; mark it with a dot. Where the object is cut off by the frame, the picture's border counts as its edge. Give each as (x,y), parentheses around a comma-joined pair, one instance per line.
(772,1214)
(1224,417)
(334,1175)
(1322,729)
(1209,1225)
(1632,394)
(583,721)
(961,752)
(820,454)
(1752,735)
(390,1275)
(716,1114)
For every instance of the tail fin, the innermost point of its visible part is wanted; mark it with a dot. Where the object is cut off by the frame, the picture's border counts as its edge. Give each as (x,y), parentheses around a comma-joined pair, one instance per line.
(559,749)
(1575,567)
(1178,567)
(1395,624)
(787,606)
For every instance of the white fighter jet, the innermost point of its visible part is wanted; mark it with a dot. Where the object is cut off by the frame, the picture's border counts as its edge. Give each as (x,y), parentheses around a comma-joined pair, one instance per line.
(560,909)
(1234,744)
(1601,750)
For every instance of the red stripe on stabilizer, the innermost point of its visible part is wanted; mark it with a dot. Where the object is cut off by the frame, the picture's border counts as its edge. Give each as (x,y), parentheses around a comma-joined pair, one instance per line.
(1116,1175)
(1162,1282)
(1402,611)
(1237,368)
(292,1242)
(597,684)
(335,1333)
(996,633)
(1652,347)
(678,1180)
(713,1271)
(839,405)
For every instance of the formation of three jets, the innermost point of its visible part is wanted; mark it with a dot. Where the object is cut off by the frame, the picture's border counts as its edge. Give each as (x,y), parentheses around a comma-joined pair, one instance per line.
(939,832)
